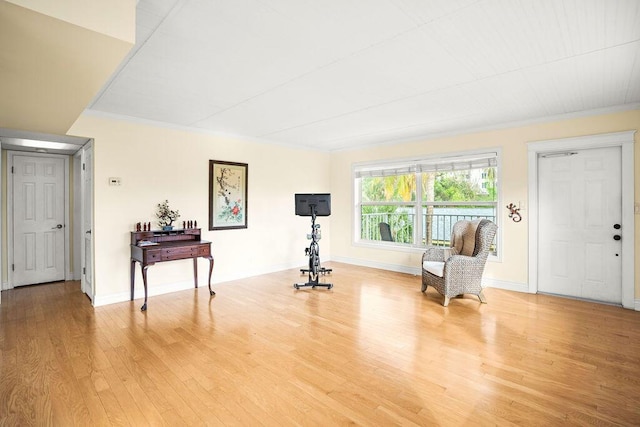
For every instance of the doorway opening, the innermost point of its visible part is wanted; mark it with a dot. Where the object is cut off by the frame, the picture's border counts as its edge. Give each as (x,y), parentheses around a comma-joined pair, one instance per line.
(38,158)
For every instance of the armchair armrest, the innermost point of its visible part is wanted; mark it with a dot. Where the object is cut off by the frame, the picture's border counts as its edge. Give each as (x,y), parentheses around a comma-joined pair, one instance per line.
(466,269)
(435,253)
(464,261)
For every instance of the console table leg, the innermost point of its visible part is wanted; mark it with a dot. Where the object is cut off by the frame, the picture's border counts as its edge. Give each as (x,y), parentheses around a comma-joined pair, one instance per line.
(133,277)
(210,258)
(144,280)
(195,272)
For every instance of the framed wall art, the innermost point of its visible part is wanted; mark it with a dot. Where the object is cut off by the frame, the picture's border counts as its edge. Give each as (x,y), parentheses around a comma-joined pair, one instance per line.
(227,195)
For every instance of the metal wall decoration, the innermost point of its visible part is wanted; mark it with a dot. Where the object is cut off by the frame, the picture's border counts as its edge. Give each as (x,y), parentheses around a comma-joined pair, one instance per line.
(514,212)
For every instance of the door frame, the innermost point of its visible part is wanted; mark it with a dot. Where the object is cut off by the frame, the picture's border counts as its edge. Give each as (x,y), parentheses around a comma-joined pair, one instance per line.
(625,141)
(2,215)
(67,262)
(77,213)
(83,217)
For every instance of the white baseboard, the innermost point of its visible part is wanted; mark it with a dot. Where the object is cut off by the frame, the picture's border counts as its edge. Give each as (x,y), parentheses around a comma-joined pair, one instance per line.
(508,286)
(255,272)
(417,271)
(637,305)
(100,300)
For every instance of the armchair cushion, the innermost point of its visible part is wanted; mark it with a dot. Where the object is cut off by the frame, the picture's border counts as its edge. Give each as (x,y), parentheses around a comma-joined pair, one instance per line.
(434,267)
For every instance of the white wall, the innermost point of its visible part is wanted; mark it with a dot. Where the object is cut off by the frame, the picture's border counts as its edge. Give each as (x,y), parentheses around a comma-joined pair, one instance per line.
(157,163)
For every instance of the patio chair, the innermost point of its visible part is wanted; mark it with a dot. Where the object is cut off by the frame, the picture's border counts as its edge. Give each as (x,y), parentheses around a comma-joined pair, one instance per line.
(458,270)
(385,232)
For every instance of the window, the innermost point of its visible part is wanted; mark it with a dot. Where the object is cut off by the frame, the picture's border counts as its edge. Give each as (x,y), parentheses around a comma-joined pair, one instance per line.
(421,199)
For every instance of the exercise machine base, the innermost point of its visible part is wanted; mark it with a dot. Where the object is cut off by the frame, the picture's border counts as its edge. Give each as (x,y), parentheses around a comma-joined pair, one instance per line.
(314,283)
(321,271)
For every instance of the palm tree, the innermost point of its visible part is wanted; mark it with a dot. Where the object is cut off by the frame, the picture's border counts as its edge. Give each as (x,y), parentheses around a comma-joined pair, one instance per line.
(428,189)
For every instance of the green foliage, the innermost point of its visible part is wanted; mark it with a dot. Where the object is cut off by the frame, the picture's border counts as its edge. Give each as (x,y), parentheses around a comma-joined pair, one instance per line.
(453,188)
(396,188)
(457,187)
(372,189)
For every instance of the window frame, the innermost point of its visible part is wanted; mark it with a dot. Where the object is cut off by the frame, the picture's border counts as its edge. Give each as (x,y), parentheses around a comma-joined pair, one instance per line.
(401,165)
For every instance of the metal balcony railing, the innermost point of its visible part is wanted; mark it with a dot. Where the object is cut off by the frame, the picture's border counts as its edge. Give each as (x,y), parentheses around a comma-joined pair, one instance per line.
(401,225)
(436,227)
(442,224)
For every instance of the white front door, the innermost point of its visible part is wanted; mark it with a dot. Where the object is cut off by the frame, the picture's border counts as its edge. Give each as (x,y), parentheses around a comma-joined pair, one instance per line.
(580,213)
(38,192)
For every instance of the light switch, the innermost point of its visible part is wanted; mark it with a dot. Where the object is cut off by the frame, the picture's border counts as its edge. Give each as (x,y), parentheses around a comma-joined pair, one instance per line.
(114,181)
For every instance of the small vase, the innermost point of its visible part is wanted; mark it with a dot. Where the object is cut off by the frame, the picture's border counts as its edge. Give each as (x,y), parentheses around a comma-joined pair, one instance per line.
(167,227)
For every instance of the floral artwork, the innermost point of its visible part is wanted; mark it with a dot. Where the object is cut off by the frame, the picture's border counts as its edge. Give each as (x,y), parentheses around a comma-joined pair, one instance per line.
(227,195)
(228,184)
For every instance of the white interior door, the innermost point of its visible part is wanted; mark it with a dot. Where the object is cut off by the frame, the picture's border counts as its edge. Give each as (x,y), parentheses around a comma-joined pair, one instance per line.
(580,212)
(87,223)
(38,192)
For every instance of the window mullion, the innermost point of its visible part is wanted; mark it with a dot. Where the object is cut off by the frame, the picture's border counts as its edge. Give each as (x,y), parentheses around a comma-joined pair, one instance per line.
(417,221)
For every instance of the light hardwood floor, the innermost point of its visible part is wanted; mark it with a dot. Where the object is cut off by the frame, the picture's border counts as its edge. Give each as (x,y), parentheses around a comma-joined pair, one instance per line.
(371,351)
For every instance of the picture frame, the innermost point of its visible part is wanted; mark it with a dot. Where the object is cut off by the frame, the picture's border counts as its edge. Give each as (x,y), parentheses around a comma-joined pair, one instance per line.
(228,195)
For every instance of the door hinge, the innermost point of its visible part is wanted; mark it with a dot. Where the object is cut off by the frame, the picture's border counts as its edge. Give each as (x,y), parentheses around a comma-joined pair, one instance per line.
(11,169)
(13,267)
(84,270)
(83,166)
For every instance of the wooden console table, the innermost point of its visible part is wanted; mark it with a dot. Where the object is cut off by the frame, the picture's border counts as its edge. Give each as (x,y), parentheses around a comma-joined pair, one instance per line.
(149,247)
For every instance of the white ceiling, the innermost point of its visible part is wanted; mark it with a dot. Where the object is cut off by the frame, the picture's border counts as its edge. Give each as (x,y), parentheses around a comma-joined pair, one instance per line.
(336,74)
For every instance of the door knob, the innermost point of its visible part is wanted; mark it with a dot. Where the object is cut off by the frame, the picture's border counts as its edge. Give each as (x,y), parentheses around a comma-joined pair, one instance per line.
(617,237)
(616,226)
(59,226)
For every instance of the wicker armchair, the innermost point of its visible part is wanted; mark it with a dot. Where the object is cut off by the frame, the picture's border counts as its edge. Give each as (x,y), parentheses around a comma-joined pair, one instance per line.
(453,274)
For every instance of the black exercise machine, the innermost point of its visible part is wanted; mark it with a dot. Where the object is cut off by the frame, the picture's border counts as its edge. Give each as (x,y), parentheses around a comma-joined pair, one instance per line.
(313,205)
